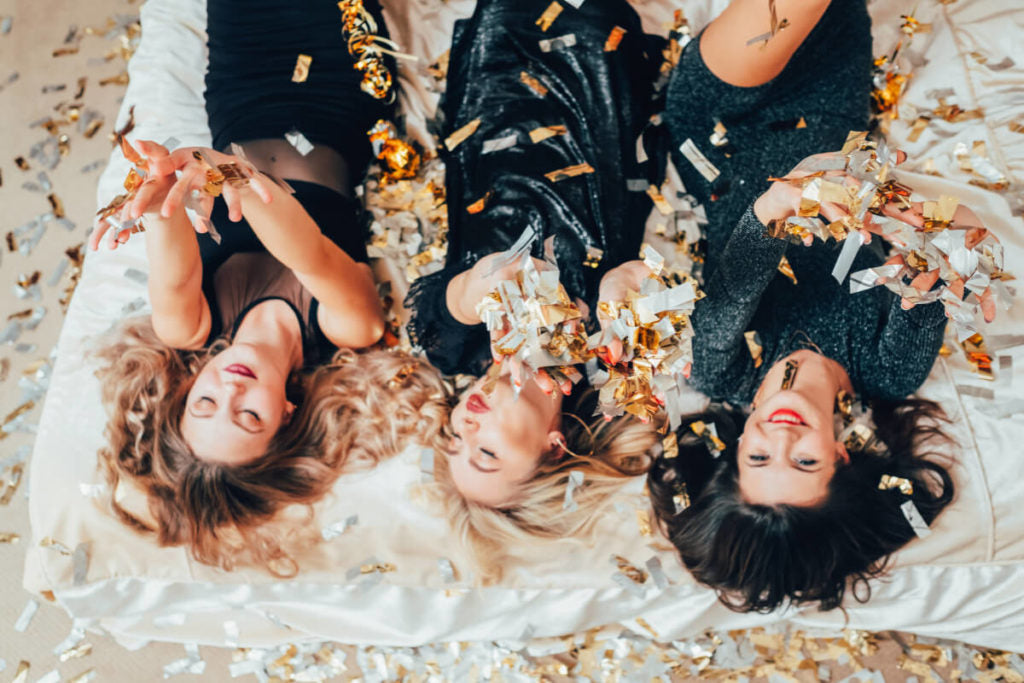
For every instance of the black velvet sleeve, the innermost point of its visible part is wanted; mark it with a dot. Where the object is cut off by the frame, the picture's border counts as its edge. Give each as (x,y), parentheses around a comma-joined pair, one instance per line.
(451,346)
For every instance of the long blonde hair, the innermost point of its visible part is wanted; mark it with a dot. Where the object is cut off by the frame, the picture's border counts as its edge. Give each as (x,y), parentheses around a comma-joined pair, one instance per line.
(619,449)
(229,515)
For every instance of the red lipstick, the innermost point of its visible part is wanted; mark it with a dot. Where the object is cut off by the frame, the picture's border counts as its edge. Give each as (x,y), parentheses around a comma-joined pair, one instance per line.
(786,416)
(476,404)
(239,369)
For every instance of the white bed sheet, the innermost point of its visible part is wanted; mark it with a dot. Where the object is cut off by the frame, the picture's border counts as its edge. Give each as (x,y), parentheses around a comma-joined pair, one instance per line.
(966,581)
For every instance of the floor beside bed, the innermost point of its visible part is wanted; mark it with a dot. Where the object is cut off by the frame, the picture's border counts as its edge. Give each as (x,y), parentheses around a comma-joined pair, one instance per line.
(43,29)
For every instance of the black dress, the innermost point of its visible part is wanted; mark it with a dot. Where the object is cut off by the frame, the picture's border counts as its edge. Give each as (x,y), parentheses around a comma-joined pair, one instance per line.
(515,77)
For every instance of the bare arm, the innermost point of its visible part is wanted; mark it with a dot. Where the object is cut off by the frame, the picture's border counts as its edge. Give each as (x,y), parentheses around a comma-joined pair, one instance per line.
(350,313)
(181,315)
(724,48)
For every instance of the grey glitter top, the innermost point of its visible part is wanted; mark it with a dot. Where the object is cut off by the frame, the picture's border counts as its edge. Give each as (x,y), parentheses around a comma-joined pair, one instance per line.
(887,351)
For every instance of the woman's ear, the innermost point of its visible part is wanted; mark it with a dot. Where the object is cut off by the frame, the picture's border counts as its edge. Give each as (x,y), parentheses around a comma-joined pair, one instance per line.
(556,443)
(842,455)
(289,410)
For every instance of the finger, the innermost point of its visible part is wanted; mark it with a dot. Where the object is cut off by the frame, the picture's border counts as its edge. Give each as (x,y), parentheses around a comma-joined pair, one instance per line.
(234,201)
(544,381)
(988,305)
(833,212)
(924,281)
(901,156)
(614,351)
(99,228)
(153,150)
(906,304)
(112,238)
(123,236)
(176,195)
(261,185)
(143,198)
(957,287)
(974,236)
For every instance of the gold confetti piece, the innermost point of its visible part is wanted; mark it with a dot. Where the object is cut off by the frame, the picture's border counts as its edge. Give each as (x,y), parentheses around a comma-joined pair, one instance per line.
(889,481)
(774,27)
(801,123)
(533,84)
(660,203)
(614,38)
(301,71)
(718,136)
(569,172)
(548,17)
(459,136)
(633,573)
(404,373)
(978,356)
(9,537)
(670,446)
(93,128)
(593,257)
(381,567)
(65,51)
(681,500)
(119,79)
(786,269)
(789,376)
(83,677)
(478,205)
(647,627)
(118,134)
(918,127)
(910,26)
(12,242)
(56,204)
(753,340)
(64,145)
(21,675)
(76,652)
(439,69)
(545,132)
(21,163)
(643,522)
(706,432)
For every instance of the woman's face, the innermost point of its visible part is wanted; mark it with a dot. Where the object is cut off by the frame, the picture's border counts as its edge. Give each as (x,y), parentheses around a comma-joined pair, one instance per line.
(499,439)
(788,452)
(235,406)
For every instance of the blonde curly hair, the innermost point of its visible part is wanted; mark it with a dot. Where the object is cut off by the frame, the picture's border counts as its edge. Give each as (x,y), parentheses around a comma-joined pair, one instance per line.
(353,412)
(618,450)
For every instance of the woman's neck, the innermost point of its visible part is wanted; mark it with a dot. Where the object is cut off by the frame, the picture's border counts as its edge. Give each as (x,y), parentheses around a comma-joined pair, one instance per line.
(273,325)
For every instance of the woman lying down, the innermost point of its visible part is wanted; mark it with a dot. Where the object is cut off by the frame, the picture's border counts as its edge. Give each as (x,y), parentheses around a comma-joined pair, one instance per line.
(509,460)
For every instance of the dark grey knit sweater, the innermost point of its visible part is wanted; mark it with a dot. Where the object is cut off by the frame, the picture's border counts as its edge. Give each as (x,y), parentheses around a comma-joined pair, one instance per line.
(887,351)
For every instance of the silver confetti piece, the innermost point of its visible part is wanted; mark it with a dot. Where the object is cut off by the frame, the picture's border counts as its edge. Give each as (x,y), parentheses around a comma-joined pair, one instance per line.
(136,275)
(656,571)
(914,518)
(299,141)
(700,162)
(559,43)
(446,569)
(336,529)
(498,144)
(76,636)
(231,633)
(575,481)
(80,563)
(31,607)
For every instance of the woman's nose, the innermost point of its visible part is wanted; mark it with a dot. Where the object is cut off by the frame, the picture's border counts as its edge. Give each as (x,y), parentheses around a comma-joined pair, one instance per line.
(469,425)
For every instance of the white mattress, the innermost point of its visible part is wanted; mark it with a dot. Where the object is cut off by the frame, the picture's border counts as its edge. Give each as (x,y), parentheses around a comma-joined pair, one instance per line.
(965,581)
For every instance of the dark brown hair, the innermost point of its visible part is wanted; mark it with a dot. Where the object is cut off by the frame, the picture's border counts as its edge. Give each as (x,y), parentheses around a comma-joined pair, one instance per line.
(760,557)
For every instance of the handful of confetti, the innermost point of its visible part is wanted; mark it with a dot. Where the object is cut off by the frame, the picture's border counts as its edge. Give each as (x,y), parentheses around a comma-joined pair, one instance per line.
(968,261)
(132,182)
(542,327)
(653,326)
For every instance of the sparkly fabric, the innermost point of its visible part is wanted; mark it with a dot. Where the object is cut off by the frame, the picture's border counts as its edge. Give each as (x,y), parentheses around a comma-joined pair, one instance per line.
(602,98)
(887,351)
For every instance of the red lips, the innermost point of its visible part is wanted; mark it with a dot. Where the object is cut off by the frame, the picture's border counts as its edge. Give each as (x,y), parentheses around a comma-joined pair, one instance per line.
(476,404)
(786,416)
(239,369)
